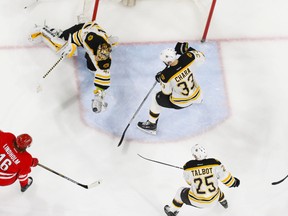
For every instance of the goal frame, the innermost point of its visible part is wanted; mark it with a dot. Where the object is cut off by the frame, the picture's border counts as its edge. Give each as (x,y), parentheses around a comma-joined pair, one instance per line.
(207,25)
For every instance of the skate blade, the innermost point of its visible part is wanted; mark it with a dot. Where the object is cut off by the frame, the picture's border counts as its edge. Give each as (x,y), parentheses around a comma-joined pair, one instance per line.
(147,131)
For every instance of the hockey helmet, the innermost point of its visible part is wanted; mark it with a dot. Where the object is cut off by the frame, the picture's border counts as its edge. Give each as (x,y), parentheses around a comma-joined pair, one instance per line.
(23,141)
(168,56)
(198,152)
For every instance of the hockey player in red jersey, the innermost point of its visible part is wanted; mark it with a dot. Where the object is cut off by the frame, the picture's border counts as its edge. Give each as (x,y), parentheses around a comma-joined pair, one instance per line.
(98,46)
(202,174)
(15,161)
(179,88)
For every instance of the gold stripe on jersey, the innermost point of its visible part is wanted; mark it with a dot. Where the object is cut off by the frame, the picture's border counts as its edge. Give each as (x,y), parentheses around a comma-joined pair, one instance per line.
(102,80)
(79,36)
(180,71)
(102,76)
(76,39)
(177,204)
(229,180)
(194,96)
(105,83)
(207,200)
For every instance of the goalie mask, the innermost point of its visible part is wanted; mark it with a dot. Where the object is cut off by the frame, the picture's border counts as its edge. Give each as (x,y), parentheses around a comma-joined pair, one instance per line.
(168,56)
(103,52)
(198,152)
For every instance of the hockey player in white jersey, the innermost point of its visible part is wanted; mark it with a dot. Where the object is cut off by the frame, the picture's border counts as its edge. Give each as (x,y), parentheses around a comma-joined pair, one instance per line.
(179,88)
(202,174)
(98,47)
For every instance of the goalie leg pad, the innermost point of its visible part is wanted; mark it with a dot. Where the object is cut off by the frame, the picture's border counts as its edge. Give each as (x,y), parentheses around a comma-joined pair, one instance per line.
(98,103)
(49,36)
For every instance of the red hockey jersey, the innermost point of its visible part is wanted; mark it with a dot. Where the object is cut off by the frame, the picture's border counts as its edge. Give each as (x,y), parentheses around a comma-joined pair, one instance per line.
(13,164)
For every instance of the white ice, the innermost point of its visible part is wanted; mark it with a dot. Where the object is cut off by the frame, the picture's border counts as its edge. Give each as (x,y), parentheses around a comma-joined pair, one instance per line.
(252,41)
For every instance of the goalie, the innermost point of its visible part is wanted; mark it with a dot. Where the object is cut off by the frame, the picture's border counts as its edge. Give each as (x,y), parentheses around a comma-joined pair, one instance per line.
(98,47)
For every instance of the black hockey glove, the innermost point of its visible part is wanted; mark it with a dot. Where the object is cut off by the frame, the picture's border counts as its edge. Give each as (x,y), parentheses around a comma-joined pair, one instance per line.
(158,77)
(236,182)
(181,48)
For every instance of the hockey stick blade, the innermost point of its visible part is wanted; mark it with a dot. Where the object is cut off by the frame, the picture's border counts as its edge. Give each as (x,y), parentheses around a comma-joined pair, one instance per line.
(278,182)
(94,184)
(123,134)
(69,179)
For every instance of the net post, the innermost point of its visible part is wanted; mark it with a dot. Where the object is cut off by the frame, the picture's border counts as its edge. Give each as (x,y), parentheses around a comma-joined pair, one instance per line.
(208,21)
(95,10)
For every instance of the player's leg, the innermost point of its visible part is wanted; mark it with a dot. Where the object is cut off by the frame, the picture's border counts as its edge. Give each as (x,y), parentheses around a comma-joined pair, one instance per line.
(101,83)
(159,101)
(180,198)
(222,200)
(150,126)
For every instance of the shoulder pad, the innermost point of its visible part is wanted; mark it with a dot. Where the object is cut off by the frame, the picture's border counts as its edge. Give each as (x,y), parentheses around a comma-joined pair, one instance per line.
(196,163)
(93,40)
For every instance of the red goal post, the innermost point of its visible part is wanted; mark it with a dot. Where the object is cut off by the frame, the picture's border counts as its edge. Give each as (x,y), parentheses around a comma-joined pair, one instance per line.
(133,2)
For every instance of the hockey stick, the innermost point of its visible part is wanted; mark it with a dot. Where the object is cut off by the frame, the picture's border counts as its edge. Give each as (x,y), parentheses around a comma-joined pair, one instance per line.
(159,162)
(55,64)
(123,134)
(278,182)
(39,85)
(71,180)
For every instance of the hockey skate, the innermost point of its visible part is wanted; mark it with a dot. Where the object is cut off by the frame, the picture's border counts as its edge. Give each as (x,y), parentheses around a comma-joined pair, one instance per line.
(148,127)
(98,103)
(169,212)
(224,203)
(30,181)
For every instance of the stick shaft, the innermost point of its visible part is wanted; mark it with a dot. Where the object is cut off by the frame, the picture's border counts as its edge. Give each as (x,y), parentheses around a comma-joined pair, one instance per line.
(278,182)
(166,164)
(124,132)
(55,64)
(63,176)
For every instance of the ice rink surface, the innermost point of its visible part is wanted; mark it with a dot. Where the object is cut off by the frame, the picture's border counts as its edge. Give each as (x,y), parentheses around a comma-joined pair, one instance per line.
(243,121)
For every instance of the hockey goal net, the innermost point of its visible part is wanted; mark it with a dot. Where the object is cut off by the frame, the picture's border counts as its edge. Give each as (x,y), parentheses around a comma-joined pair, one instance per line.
(90,9)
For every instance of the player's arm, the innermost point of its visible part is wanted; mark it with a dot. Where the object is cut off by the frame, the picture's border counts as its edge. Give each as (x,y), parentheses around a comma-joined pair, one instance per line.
(183,48)
(226,177)
(164,79)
